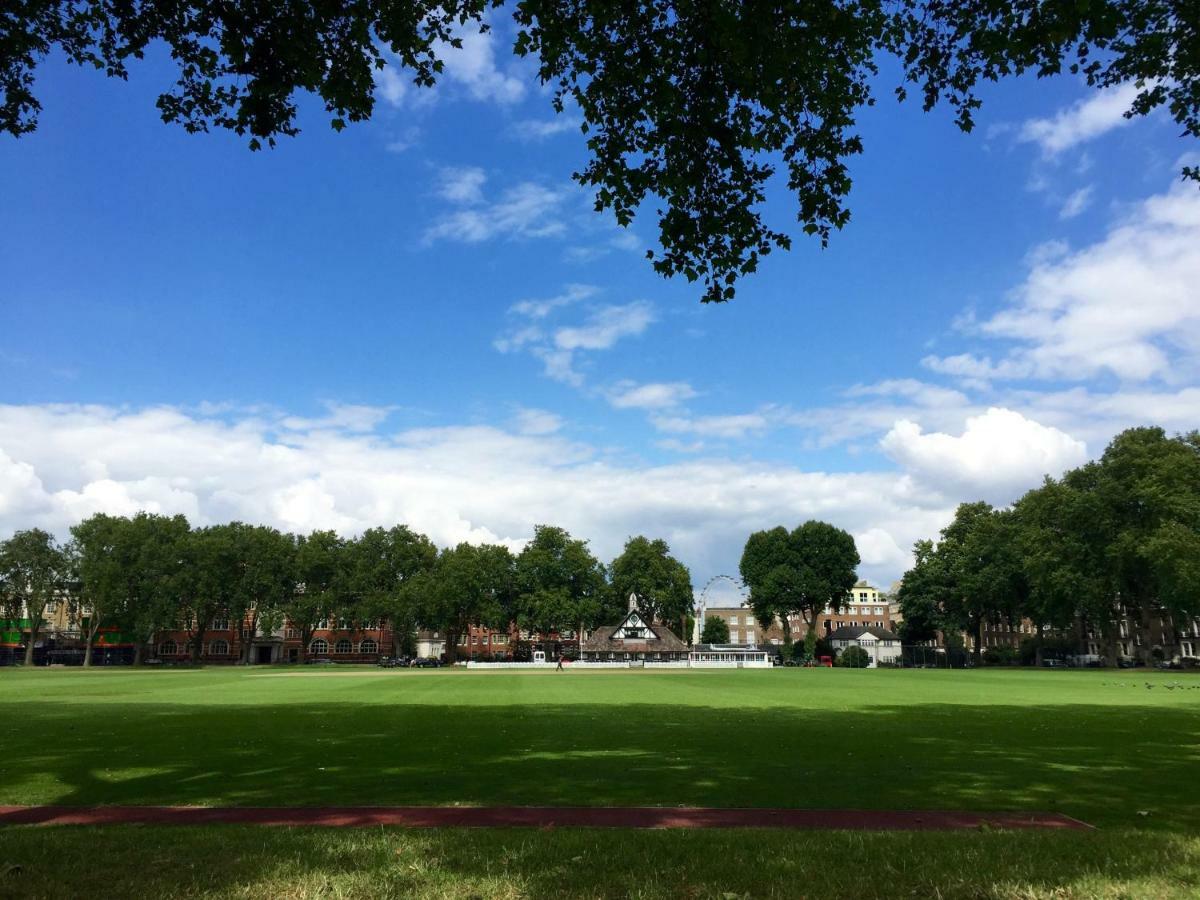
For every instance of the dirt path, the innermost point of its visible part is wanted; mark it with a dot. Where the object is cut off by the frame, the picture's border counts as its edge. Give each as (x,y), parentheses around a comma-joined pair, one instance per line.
(534,817)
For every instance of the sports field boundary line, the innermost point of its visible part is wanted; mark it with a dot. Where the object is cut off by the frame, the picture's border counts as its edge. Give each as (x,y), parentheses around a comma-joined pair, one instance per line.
(540,817)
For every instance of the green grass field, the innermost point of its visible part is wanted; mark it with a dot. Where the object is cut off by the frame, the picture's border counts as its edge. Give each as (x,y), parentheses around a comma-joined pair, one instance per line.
(1097,745)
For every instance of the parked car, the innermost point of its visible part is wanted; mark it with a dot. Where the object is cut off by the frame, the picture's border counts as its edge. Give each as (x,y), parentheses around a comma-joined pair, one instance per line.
(423,663)
(1053,664)
(319,661)
(393,662)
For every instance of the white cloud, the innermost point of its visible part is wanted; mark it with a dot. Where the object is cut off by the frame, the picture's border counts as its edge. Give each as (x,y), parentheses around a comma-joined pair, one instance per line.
(557,347)
(390,86)
(540,129)
(919,392)
(717,426)
(461,185)
(1076,203)
(605,326)
(1085,120)
(999,455)
(473,66)
(481,483)
(539,309)
(1126,305)
(654,395)
(341,416)
(525,210)
(537,421)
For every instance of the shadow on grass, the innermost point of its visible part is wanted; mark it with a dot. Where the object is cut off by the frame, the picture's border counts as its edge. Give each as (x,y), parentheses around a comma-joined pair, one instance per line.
(299,863)
(1108,765)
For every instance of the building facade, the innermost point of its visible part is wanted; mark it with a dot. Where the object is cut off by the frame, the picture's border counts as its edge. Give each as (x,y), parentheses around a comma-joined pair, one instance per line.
(865,607)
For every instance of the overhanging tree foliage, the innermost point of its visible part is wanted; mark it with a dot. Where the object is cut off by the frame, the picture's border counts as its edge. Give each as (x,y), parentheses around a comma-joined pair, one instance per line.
(689,106)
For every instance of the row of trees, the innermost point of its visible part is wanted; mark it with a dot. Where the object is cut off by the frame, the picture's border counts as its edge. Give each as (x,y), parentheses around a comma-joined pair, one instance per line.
(1116,538)
(150,573)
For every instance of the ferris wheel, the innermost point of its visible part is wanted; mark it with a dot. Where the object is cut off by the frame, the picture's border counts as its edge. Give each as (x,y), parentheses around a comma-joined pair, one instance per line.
(702,603)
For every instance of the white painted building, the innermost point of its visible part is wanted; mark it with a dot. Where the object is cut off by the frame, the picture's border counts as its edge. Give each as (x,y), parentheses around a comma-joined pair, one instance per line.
(881,645)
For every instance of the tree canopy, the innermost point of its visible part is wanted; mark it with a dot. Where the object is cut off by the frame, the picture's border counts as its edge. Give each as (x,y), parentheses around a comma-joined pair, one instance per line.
(662,583)
(560,584)
(33,569)
(689,107)
(800,572)
(1118,537)
(715,631)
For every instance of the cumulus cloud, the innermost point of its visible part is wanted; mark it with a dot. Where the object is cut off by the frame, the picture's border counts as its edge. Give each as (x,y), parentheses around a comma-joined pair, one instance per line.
(1126,305)
(1084,121)
(473,66)
(477,483)
(999,455)
(653,395)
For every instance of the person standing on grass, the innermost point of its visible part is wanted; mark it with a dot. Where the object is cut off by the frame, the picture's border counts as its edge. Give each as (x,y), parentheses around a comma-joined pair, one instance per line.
(558,668)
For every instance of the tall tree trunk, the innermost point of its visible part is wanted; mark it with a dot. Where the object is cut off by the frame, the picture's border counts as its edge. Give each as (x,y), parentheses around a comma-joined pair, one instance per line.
(35,623)
(451,647)
(137,651)
(93,627)
(1144,625)
(1039,645)
(977,640)
(305,640)
(198,641)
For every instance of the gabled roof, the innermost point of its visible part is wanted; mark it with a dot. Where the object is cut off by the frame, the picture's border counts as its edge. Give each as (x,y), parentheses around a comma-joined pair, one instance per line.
(854,632)
(664,640)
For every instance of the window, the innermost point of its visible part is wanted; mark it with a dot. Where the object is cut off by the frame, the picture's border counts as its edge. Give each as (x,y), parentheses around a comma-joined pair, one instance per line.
(733,620)
(345,625)
(318,646)
(322,625)
(343,646)
(368,646)
(878,611)
(168,648)
(218,648)
(220,625)
(499,638)
(462,640)
(291,634)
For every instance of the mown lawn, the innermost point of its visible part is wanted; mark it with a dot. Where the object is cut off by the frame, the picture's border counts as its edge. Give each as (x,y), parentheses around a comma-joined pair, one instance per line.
(1097,745)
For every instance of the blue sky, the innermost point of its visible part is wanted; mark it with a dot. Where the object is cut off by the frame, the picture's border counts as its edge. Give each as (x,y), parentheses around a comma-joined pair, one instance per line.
(420,319)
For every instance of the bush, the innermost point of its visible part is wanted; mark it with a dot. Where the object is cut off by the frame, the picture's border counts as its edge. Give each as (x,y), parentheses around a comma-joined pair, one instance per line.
(854,658)
(1000,656)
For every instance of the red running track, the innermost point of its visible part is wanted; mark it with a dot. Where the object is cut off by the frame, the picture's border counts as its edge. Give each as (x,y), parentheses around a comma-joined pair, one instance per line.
(534,817)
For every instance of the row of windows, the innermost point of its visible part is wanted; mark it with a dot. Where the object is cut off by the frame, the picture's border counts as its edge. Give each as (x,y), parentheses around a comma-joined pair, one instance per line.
(171,648)
(481,639)
(344,645)
(221,648)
